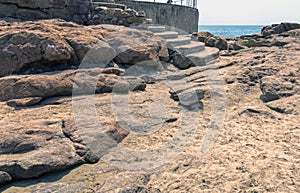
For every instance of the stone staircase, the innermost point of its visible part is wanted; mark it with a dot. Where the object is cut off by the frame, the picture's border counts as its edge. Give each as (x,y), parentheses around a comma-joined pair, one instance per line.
(189,86)
(196,51)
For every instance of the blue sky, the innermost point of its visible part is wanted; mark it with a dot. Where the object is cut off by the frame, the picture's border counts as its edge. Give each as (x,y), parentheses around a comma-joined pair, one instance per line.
(249,12)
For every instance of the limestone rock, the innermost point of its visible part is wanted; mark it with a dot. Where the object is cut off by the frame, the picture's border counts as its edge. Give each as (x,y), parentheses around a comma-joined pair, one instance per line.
(60,84)
(235,46)
(144,47)
(189,97)
(72,10)
(52,136)
(51,45)
(181,61)
(24,102)
(40,145)
(286,105)
(211,40)
(217,41)
(137,54)
(31,89)
(126,86)
(202,36)
(164,54)
(279,28)
(274,89)
(19,50)
(44,46)
(4,177)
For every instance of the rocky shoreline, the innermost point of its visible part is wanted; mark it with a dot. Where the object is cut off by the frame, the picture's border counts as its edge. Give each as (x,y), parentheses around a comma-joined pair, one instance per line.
(49,66)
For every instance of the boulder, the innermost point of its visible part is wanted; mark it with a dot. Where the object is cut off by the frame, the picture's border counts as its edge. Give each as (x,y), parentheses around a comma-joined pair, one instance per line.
(189,98)
(253,43)
(235,46)
(202,36)
(23,50)
(137,54)
(181,61)
(51,45)
(35,47)
(211,40)
(279,28)
(217,41)
(164,53)
(142,47)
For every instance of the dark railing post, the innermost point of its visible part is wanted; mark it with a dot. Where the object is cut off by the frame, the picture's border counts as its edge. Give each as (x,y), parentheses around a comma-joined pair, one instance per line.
(189,3)
(195,4)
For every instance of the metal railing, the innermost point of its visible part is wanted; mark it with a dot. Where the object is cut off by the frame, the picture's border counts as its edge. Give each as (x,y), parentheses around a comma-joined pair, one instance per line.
(189,3)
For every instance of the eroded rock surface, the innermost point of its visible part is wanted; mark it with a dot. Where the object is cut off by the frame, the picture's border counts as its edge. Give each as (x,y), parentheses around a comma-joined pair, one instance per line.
(279,28)
(211,40)
(51,45)
(163,136)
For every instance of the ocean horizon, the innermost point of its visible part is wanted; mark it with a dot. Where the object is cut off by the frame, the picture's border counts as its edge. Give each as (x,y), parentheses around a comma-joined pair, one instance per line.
(231,30)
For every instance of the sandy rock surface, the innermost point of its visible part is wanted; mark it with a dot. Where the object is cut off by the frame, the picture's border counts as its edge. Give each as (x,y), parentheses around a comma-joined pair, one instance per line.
(231,126)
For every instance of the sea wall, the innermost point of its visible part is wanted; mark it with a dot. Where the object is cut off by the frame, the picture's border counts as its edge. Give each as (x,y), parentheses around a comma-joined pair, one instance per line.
(82,12)
(69,10)
(182,17)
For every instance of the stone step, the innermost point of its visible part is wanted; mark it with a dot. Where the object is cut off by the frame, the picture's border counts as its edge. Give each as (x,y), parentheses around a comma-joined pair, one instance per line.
(167,35)
(109,5)
(157,29)
(181,40)
(205,56)
(193,47)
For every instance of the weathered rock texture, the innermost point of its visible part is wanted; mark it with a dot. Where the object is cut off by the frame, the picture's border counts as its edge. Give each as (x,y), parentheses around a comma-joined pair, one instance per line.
(78,11)
(255,151)
(279,28)
(72,10)
(277,35)
(49,45)
(117,16)
(211,40)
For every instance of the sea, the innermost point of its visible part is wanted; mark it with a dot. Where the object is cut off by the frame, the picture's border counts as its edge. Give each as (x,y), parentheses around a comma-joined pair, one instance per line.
(231,30)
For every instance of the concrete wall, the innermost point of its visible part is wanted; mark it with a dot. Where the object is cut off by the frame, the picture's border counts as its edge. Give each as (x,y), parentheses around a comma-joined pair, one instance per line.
(182,17)
(70,10)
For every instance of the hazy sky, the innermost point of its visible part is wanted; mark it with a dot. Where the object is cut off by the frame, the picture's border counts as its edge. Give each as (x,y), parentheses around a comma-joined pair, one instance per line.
(240,12)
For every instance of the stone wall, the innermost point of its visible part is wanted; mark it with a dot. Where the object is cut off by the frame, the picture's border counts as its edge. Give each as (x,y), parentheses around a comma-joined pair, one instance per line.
(182,17)
(80,11)
(69,10)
